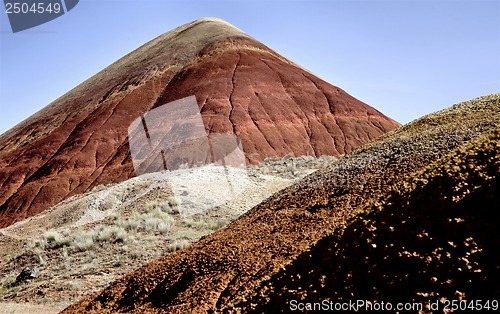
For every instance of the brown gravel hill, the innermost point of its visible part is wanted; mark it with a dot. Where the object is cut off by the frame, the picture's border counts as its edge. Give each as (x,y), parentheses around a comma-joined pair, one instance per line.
(242,87)
(223,268)
(431,237)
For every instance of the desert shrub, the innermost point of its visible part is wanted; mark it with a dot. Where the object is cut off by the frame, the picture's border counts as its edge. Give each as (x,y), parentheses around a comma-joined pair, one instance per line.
(216,224)
(82,241)
(205,223)
(151,223)
(178,245)
(111,234)
(188,234)
(156,218)
(130,224)
(54,239)
(133,224)
(163,227)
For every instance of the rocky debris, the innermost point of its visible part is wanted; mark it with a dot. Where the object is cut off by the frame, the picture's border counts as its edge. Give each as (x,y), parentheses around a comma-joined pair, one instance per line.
(242,87)
(216,272)
(28,273)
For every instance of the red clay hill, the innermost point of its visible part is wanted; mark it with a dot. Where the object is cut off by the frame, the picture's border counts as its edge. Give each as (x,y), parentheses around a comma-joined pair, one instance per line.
(242,87)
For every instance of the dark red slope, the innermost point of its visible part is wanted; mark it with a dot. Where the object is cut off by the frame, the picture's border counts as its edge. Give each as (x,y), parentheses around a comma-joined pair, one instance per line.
(274,106)
(80,140)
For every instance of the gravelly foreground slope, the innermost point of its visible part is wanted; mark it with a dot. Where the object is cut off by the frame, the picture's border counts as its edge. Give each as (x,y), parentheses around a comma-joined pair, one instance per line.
(242,87)
(220,269)
(431,237)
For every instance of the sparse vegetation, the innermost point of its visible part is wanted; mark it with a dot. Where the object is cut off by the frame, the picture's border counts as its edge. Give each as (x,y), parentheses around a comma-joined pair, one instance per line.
(119,261)
(9,285)
(124,240)
(54,239)
(82,241)
(203,223)
(158,219)
(111,234)
(187,234)
(178,245)
(155,219)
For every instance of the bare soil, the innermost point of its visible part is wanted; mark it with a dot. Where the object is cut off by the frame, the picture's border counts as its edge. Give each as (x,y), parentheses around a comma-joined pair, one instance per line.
(214,272)
(69,274)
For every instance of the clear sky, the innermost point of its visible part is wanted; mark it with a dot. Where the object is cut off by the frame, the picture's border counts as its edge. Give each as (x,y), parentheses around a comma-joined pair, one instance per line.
(405,58)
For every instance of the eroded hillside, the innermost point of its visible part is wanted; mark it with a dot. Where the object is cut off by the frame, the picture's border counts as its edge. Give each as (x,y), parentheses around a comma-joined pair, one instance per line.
(242,88)
(219,269)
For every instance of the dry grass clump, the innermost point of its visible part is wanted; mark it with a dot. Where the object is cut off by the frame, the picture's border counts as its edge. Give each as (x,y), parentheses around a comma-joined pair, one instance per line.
(178,245)
(82,240)
(111,234)
(203,223)
(158,217)
(54,239)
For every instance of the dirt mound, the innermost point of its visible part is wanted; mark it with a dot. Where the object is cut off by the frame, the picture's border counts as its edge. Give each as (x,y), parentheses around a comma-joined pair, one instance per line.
(431,237)
(242,87)
(219,269)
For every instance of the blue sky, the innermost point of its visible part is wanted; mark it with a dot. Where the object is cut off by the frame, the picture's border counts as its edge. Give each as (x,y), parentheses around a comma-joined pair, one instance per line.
(405,58)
